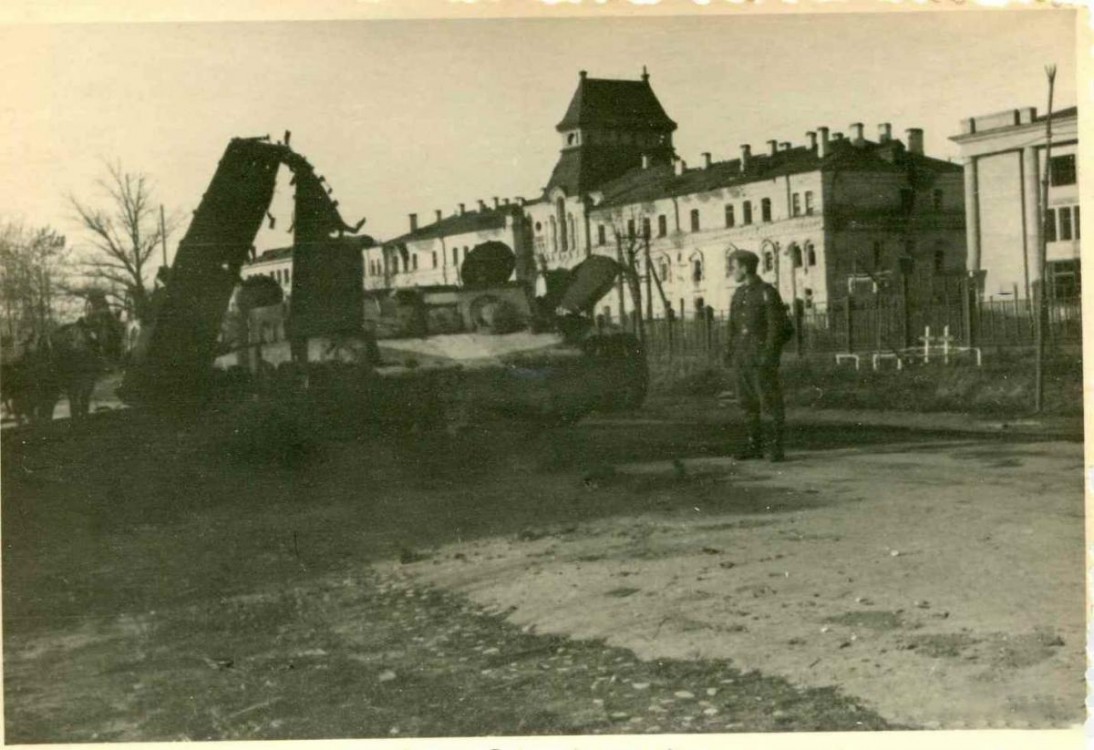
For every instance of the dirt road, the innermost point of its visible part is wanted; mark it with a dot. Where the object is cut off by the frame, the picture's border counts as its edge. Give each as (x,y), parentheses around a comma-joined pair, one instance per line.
(201,580)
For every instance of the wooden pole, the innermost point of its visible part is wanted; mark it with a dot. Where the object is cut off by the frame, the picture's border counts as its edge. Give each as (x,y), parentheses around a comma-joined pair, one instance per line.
(1042,253)
(163,236)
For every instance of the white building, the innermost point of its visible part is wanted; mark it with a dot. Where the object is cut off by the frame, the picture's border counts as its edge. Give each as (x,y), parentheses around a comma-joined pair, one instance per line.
(1004,157)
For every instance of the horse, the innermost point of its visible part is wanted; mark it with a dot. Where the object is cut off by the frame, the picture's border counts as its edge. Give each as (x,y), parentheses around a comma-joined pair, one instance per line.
(69,360)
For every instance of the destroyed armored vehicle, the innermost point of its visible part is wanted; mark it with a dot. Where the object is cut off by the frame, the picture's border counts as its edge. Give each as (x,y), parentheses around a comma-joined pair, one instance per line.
(449,354)
(436,354)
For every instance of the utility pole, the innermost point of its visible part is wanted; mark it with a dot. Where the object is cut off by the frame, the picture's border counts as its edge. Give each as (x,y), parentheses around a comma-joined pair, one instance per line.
(163,236)
(1042,254)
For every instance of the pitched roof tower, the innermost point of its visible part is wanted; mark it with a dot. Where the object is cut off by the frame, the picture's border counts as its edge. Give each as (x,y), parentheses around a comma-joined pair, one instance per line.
(608,128)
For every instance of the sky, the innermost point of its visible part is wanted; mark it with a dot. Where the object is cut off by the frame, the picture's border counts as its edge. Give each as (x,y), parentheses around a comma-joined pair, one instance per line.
(413,116)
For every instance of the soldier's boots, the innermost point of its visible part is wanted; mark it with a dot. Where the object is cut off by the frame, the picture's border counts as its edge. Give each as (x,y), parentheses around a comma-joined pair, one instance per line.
(775,444)
(754,448)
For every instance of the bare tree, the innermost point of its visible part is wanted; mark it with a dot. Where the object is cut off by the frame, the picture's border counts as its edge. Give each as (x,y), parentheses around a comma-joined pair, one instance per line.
(124,237)
(33,274)
(631,234)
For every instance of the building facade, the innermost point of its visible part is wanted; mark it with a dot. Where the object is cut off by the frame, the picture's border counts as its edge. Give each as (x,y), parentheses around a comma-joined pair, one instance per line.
(1004,155)
(824,216)
(431,254)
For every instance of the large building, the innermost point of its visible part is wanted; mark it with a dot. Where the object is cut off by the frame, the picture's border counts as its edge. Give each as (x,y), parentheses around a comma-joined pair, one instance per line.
(1004,157)
(431,254)
(824,215)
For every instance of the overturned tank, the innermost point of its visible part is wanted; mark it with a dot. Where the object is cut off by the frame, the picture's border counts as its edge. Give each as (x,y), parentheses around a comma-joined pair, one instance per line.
(449,354)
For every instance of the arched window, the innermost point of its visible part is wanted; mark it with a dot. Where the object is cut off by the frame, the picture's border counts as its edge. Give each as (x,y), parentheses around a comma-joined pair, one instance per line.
(554,234)
(810,254)
(573,233)
(795,256)
(560,210)
(697,271)
(769,261)
(664,270)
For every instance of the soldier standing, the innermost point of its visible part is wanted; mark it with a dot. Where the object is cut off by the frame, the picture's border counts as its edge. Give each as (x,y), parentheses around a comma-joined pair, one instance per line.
(758,330)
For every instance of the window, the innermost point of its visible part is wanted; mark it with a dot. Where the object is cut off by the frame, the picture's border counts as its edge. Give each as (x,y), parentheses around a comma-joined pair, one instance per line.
(1075,221)
(1050,225)
(662,225)
(808,297)
(1062,169)
(664,272)
(455,256)
(414,259)
(630,229)
(746,212)
(695,220)
(808,202)
(646,227)
(601,235)
(796,204)
(288,271)
(795,256)
(434,258)
(697,270)
(765,210)
(810,254)
(769,261)
(1065,223)
(936,200)
(730,219)
(573,233)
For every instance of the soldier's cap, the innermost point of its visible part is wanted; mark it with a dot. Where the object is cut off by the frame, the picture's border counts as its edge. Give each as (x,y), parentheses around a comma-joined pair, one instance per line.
(745,257)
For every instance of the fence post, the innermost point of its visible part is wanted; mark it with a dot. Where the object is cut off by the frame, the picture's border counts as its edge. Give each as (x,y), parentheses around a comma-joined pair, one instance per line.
(966,309)
(905,312)
(877,315)
(799,319)
(850,321)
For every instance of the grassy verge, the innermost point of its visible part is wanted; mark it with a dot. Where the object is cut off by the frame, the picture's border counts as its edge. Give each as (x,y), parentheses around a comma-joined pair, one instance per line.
(1004,386)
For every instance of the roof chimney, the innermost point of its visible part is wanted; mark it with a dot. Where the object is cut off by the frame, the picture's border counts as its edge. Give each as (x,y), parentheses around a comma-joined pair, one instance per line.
(822,149)
(837,136)
(497,202)
(772,147)
(463,209)
(439,215)
(645,74)
(915,140)
(645,161)
(706,160)
(680,167)
(519,200)
(746,156)
(482,205)
(812,136)
(856,134)
(414,222)
(506,200)
(583,74)
(784,146)
(884,132)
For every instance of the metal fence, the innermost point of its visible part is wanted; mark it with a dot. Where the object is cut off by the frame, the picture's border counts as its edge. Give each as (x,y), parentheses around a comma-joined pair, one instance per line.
(879,325)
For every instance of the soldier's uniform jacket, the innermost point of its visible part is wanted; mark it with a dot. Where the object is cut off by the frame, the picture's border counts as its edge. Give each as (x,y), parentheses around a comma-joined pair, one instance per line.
(755,316)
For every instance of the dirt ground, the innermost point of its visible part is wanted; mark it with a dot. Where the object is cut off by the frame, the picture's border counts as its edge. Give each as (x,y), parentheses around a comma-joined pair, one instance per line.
(189,581)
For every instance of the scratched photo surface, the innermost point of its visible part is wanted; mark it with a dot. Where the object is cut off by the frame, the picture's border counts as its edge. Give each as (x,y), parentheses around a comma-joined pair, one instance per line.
(456,378)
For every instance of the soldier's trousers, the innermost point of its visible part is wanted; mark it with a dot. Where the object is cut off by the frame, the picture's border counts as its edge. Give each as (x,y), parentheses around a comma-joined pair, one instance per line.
(760,395)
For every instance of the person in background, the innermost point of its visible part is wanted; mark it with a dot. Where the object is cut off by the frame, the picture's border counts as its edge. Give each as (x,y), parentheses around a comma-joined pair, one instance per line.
(758,329)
